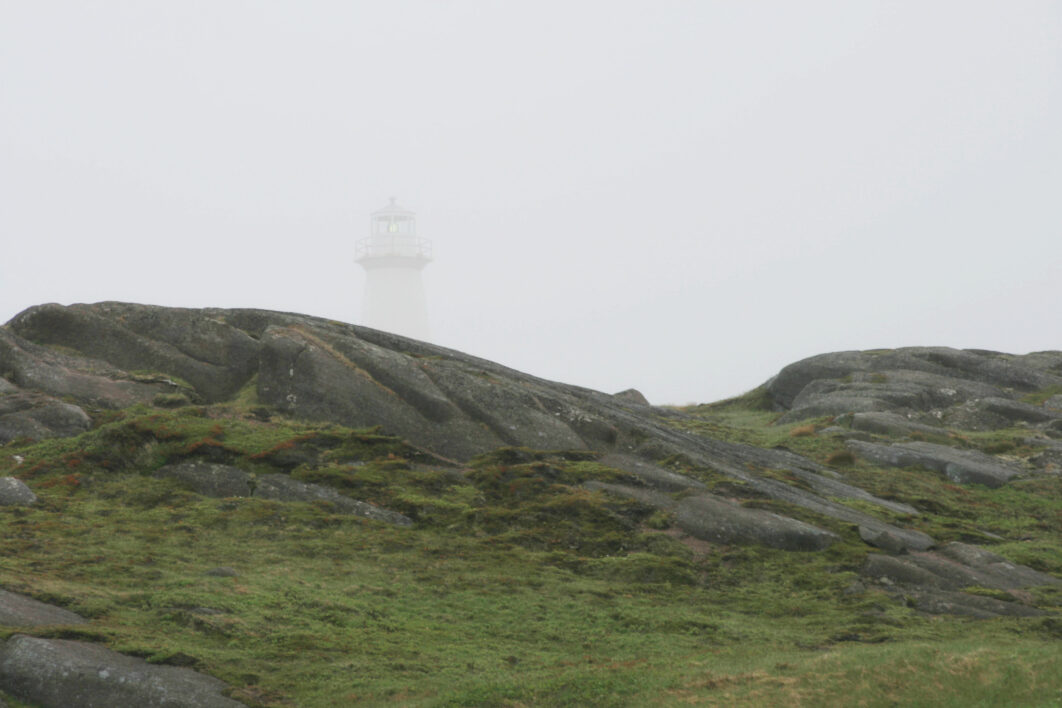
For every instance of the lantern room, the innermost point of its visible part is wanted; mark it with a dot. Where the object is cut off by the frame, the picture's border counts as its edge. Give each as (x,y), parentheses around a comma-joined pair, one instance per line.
(393,235)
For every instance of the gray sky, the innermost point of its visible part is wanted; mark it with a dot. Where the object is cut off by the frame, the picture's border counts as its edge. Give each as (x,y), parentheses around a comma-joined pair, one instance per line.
(682,197)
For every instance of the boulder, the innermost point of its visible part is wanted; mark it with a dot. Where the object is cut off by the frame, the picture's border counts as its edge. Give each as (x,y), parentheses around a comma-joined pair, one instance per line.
(281,487)
(38,416)
(960,466)
(880,538)
(631,395)
(21,611)
(13,492)
(60,673)
(208,479)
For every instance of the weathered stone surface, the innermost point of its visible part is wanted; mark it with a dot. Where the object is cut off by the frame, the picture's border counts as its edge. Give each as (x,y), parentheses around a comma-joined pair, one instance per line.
(1054,403)
(631,395)
(882,539)
(899,570)
(924,379)
(38,416)
(950,602)
(60,673)
(960,466)
(208,479)
(1015,411)
(1050,459)
(518,412)
(652,475)
(995,570)
(713,519)
(21,611)
(89,381)
(7,387)
(13,492)
(215,358)
(303,376)
(885,423)
(281,487)
(716,519)
(791,380)
(955,567)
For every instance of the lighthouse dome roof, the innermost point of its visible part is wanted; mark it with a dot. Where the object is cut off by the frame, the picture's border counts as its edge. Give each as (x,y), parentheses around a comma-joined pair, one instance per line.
(393,208)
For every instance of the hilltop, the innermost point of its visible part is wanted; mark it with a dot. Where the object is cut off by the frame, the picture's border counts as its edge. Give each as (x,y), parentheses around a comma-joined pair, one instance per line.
(319,513)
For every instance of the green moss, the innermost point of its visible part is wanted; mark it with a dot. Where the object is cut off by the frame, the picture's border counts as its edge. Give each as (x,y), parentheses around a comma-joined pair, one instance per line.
(990,592)
(1037,398)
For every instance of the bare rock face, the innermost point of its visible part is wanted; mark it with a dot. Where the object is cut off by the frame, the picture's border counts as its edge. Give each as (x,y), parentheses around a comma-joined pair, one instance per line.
(208,479)
(281,487)
(60,673)
(710,518)
(931,382)
(37,416)
(960,466)
(215,358)
(633,396)
(885,423)
(935,581)
(89,381)
(14,492)
(21,611)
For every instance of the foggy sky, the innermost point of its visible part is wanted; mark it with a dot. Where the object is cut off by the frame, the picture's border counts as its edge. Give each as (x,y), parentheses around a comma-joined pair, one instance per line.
(676,196)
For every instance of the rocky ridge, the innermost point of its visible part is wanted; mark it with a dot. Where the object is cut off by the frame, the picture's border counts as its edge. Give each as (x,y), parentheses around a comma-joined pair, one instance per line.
(61,366)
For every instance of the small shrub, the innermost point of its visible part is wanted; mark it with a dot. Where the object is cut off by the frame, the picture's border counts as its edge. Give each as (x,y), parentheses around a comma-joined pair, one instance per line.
(658,520)
(170,400)
(841,458)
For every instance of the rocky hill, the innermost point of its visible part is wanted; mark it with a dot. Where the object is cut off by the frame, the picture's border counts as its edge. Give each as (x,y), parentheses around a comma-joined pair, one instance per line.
(926,479)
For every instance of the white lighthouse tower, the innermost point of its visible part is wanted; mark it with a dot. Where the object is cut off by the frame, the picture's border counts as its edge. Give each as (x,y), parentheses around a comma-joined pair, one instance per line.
(393,257)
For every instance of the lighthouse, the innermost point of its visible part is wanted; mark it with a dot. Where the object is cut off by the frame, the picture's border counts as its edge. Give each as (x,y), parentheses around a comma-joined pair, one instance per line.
(393,257)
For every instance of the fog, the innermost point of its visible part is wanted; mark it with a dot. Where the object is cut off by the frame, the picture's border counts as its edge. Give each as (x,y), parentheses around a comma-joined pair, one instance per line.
(681,197)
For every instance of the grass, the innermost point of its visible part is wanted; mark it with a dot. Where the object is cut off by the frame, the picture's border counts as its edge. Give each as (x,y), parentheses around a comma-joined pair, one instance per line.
(516,586)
